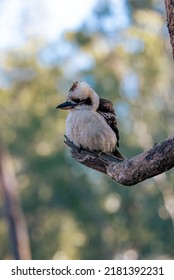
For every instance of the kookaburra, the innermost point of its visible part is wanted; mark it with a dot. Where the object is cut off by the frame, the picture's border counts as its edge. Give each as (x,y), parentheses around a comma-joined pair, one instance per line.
(91,123)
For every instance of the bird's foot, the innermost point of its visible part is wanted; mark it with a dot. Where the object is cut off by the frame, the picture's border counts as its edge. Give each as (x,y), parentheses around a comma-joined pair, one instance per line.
(79,149)
(99,153)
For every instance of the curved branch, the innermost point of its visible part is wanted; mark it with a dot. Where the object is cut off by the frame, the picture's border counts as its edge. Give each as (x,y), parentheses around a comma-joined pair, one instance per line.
(131,171)
(170,21)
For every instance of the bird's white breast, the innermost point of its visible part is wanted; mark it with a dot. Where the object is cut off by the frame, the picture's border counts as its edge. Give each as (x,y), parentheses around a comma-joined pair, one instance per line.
(89,130)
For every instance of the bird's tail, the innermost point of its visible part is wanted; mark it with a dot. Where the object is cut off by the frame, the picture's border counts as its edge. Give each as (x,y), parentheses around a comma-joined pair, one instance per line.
(117,154)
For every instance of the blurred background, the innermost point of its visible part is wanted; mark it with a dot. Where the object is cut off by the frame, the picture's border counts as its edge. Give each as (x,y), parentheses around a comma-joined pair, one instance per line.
(57,208)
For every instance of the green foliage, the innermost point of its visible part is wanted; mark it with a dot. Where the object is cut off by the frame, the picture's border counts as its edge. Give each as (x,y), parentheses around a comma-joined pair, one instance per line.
(71,211)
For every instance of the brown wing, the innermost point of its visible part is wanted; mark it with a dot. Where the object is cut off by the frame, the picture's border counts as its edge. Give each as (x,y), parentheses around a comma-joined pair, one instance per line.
(106,109)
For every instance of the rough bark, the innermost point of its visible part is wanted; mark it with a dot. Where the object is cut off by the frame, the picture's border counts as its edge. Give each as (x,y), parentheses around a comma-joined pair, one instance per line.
(169,4)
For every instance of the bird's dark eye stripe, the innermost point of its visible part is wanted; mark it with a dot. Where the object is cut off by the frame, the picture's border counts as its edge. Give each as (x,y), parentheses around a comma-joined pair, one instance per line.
(87,101)
(77,100)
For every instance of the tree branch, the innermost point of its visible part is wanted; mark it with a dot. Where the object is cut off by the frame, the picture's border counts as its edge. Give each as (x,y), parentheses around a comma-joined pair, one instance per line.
(131,171)
(170,21)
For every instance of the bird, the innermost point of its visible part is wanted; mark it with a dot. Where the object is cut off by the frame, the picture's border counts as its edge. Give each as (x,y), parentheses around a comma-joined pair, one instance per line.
(91,123)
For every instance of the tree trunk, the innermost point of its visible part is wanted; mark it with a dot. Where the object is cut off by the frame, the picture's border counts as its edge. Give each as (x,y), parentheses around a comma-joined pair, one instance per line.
(169,4)
(17,227)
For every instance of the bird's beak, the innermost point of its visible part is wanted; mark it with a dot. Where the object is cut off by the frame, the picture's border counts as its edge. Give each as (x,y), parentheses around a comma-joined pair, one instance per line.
(67,105)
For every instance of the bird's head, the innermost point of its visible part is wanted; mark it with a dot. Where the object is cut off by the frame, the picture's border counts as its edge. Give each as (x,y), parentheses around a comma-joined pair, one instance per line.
(81,96)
